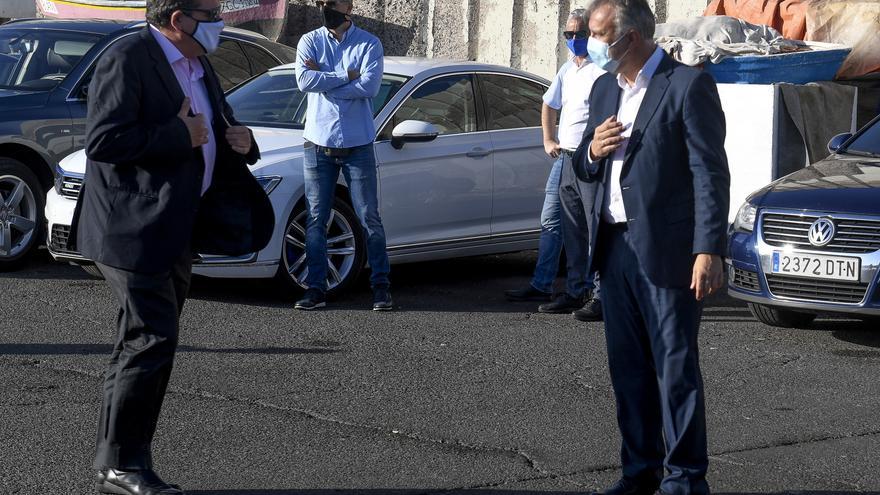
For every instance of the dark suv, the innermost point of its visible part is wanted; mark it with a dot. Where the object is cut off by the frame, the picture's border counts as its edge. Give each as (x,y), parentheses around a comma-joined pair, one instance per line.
(45,69)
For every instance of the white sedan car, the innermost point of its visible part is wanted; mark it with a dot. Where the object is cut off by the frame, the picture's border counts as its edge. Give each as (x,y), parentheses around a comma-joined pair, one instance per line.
(461,166)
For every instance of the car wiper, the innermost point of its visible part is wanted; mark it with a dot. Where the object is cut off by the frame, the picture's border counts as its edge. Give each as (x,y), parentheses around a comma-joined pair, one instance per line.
(860,153)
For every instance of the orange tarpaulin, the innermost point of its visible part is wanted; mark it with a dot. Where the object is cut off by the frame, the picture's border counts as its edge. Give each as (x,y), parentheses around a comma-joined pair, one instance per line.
(789,17)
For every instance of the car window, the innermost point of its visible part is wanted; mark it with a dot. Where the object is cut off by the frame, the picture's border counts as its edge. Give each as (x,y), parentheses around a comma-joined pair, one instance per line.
(230,63)
(39,60)
(260,59)
(511,102)
(868,142)
(272,99)
(447,102)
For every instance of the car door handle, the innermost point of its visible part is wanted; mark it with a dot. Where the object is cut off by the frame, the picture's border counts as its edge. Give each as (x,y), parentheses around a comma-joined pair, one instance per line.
(478,153)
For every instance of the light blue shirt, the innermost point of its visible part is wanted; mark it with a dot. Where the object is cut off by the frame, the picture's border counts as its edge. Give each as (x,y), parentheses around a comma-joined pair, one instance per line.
(340,112)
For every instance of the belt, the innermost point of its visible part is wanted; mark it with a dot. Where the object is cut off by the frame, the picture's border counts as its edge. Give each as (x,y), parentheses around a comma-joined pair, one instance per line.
(614,227)
(331,152)
(569,153)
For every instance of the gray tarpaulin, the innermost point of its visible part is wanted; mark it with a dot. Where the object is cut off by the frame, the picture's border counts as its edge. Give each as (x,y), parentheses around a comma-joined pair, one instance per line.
(714,38)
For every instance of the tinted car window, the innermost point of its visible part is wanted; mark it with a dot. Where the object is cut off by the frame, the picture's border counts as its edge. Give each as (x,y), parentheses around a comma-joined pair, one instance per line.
(260,60)
(39,60)
(272,99)
(511,102)
(230,63)
(447,102)
(868,142)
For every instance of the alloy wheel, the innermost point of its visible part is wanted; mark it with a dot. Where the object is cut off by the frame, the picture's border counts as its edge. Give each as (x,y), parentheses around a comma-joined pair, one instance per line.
(341,249)
(18,216)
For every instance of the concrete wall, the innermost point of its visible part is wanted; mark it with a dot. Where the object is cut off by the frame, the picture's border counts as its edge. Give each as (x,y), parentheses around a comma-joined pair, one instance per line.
(517,33)
(17,8)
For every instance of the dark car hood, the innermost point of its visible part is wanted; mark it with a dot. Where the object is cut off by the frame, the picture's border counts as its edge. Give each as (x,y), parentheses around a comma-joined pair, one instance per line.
(12,92)
(841,184)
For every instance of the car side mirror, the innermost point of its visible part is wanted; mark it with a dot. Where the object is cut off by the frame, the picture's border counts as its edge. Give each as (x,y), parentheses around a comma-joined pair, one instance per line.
(413,131)
(84,92)
(837,141)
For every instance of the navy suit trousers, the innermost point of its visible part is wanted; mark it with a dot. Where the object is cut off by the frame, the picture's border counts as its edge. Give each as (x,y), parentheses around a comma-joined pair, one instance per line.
(651,334)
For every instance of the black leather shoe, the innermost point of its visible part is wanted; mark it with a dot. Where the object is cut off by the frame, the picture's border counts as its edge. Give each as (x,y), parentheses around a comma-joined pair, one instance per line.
(592,311)
(146,482)
(382,299)
(562,304)
(312,299)
(630,486)
(528,294)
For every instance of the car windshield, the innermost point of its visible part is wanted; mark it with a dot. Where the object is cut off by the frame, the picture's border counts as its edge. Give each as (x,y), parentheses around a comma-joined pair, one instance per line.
(37,60)
(273,100)
(868,140)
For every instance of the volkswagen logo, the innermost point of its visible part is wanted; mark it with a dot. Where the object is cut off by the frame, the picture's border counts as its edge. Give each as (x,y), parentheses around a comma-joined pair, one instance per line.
(821,232)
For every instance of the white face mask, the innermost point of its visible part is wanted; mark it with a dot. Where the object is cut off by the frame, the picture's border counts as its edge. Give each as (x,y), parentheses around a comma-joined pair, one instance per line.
(207,34)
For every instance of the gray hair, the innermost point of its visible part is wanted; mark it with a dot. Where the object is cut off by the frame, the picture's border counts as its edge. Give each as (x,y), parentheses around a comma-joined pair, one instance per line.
(582,15)
(631,15)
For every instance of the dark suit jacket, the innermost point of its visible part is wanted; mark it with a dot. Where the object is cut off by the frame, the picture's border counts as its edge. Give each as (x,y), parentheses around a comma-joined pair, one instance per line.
(141,203)
(675,181)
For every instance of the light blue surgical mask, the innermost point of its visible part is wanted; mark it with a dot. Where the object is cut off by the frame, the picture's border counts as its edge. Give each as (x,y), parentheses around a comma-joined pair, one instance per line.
(207,34)
(599,54)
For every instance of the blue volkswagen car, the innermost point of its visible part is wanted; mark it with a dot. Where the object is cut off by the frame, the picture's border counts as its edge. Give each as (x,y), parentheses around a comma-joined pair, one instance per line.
(809,242)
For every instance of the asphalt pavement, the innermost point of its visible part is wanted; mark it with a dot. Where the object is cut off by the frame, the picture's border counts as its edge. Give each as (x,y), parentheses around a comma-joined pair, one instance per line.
(457,391)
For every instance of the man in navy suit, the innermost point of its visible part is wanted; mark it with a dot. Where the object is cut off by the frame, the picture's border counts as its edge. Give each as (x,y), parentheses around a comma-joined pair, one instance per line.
(653,156)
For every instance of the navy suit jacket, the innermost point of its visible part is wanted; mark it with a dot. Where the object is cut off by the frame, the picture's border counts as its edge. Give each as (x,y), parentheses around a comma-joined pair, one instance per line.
(141,204)
(675,181)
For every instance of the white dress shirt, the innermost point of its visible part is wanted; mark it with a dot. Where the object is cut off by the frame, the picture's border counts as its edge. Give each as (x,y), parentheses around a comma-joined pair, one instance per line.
(190,74)
(570,93)
(631,98)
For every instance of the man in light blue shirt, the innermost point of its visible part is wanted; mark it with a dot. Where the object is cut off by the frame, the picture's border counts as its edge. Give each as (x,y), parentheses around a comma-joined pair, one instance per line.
(340,67)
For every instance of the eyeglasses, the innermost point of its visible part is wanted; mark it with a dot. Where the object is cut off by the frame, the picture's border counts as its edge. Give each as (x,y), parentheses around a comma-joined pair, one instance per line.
(575,34)
(331,4)
(213,14)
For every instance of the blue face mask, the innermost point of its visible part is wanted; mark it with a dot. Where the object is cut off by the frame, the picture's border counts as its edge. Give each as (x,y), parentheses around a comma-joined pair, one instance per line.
(577,46)
(599,54)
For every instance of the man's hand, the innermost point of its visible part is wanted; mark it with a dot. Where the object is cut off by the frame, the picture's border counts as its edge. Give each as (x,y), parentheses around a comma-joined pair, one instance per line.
(196,125)
(708,275)
(239,139)
(353,74)
(551,147)
(312,65)
(607,138)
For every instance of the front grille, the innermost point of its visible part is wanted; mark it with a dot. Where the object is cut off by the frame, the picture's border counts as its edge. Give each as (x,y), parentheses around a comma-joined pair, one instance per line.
(71,186)
(58,239)
(816,290)
(852,236)
(745,279)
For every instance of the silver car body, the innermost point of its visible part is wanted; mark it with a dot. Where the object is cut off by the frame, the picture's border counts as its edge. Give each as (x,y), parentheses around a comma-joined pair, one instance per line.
(464,194)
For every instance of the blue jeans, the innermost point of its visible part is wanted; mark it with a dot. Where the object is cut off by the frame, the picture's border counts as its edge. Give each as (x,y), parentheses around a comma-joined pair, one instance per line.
(321,173)
(550,243)
(552,240)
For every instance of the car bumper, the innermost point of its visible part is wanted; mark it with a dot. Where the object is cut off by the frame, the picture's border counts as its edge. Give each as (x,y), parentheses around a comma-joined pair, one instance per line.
(59,214)
(750,279)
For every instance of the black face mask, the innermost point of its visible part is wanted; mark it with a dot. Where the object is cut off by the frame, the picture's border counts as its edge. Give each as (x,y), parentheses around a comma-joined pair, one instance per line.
(332,18)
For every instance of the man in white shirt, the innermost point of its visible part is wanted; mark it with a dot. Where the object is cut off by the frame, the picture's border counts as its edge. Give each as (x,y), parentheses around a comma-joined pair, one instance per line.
(567,98)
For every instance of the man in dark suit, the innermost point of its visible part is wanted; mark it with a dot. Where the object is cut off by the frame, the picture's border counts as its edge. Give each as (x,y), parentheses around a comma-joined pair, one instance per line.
(166,177)
(653,155)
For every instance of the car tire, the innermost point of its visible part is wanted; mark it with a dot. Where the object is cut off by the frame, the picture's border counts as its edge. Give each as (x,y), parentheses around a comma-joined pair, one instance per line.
(21,218)
(781,317)
(347,249)
(92,270)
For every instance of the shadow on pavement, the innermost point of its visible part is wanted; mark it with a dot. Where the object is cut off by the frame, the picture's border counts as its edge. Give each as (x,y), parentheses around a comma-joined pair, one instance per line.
(106,349)
(381,491)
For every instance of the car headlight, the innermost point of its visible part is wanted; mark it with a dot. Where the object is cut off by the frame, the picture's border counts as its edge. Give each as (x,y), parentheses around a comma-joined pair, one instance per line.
(745,219)
(268,182)
(59,179)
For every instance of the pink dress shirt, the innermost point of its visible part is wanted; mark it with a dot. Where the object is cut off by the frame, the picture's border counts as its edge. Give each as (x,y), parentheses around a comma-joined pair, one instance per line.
(190,74)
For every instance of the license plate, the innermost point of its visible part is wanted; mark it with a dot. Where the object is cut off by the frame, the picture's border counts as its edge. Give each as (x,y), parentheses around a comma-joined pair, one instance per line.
(817,266)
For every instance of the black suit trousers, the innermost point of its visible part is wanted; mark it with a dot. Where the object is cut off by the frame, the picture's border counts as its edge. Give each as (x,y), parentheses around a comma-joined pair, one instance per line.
(651,335)
(141,362)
